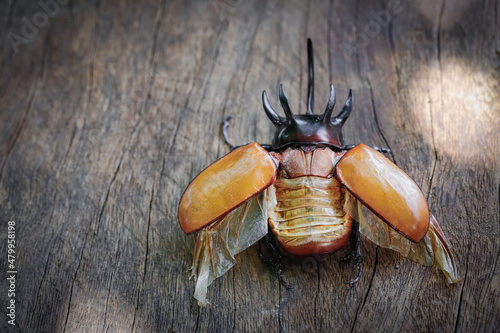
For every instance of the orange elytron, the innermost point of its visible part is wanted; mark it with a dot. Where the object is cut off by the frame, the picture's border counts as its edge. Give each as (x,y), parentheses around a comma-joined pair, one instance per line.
(224,185)
(306,194)
(382,183)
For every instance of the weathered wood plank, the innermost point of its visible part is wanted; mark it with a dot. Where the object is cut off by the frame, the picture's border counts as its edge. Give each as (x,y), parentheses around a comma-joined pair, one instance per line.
(112,107)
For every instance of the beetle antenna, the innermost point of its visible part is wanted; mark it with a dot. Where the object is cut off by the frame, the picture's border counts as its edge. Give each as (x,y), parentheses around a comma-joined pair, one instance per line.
(346,111)
(285,105)
(327,116)
(271,114)
(310,85)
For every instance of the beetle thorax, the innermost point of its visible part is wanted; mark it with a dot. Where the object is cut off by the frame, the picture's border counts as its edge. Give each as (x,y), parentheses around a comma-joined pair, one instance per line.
(308,129)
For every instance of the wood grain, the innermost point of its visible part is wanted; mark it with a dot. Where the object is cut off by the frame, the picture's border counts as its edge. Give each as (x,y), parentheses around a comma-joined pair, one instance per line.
(110,108)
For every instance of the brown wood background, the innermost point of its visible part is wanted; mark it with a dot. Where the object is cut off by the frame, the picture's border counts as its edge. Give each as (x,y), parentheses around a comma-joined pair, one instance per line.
(110,108)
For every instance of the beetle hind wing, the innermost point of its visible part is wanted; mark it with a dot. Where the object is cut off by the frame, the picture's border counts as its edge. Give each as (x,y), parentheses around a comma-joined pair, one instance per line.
(432,250)
(218,244)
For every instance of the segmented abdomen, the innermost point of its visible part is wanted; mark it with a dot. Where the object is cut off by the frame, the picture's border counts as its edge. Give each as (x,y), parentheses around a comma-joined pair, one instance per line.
(306,215)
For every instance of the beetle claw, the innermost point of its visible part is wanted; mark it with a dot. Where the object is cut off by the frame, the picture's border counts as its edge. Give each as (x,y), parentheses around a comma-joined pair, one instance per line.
(274,260)
(266,260)
(355,255)
(382,149)
(358,260)
(281,280)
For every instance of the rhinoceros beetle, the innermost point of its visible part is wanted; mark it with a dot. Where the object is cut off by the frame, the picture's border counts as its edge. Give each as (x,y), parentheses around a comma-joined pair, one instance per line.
(311,193)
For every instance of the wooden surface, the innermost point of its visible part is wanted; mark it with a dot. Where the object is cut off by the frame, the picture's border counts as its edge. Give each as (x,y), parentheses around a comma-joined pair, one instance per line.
(110,108)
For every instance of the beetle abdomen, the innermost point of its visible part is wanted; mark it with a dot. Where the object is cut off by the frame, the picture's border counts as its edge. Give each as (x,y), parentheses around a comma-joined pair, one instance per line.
(306,215)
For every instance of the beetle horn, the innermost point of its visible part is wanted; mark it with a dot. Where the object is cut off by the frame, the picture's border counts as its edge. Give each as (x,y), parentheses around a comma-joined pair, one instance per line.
(327,116)
(285,105)
(310,84)
(271,114)
(346,111)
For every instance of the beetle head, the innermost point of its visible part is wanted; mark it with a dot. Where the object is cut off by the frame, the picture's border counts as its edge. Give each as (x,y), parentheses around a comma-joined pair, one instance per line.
(309,128)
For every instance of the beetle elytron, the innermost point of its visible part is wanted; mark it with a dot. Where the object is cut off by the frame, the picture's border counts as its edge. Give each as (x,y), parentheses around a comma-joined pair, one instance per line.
(312,192)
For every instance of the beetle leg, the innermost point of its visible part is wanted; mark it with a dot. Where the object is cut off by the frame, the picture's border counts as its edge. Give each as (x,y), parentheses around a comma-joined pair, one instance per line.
(355,255)
(275,259)
(267,147)
(379,149)
(280,277)
(348,147)
(353,242)
(266,260)
(382,149)
(225,125)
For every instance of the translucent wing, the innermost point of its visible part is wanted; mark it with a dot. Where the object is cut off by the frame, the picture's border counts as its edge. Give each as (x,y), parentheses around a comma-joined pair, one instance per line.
(218,243)
(432,250)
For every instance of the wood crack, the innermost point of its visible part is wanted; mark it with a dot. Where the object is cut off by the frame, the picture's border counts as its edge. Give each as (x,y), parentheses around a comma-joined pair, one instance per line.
(438,46)
(498,254)
(316,298)
(73,284)
(145,258)
(460,302)
(360,308)
(376,120)
(69,147)
(113,269)
(106,198)
(394,54)
(41,281)
(234,300)
(156,33)
(433,167)
(197,319)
